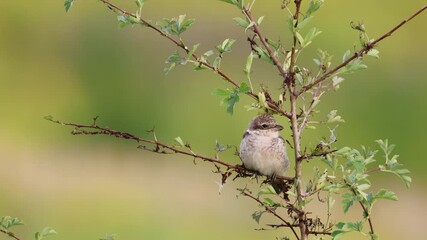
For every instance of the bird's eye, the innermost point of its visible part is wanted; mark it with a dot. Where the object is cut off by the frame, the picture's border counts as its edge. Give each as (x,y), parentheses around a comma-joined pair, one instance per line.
(264,126)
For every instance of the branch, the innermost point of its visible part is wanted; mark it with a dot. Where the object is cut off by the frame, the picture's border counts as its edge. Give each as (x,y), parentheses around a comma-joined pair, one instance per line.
(161,148)
(270,210)
(359,53)
(181,45)
(10,234)
(263,40)
(368,216)
(294,45)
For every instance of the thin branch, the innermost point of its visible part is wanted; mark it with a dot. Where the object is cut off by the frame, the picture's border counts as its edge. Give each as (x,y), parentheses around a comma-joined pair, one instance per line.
(316,96)
(270,210)
(365,210)
(294,45)
(83,129)
(264,42)
(180,44)
(10,234)
(359,53)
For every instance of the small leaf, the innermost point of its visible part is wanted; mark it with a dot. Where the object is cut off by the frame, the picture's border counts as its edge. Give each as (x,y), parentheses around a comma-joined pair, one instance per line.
(140,3)
(179,141)
(257,215)
(260,20)
(68,4)
(268,190)
(374,53)
(313,6)
(241,22)
(346,55)
(248,65)
(385,194)
(44,233)
(237,3)
(244,88)
(48,118)
(221,92)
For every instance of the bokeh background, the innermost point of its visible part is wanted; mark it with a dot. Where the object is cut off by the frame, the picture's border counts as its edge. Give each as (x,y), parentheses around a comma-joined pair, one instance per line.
(79,65)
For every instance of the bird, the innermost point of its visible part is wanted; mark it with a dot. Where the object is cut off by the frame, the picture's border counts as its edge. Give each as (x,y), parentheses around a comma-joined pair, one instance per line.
(262,149)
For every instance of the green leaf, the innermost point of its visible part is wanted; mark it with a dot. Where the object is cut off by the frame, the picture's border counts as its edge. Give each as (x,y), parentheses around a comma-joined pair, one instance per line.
(221,92)
(244,88)
(310,36)
(68,4)
(268,190)
(237,3)
(44,233)
(374,236)
(348,201)
(346,55)
(342,228)
(48,118)
(374,53)
(125,20)
(260,19)
(257,215)
(231,101)
(248,65)
(140,3)
(313,6)
(333,117)
(226,45)
(179,141)
(386,194)
(304,22)
(242,22)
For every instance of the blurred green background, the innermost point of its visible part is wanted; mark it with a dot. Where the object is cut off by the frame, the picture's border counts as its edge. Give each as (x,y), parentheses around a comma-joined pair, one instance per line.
(79,65)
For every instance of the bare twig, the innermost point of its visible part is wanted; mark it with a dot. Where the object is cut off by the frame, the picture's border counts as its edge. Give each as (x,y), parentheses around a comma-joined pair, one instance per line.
(359,53)
(272,211)
(83,129)
(10,234)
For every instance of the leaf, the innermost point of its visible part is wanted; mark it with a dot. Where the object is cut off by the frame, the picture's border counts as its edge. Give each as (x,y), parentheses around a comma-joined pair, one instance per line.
(216,63)
(374,53)
(268,190)
(313,6)
(221,92)
(44,233)
(248,65)
(260,19)
(386,194)
(244,88)
(310,36)
(48,118)
(241,22)
(237,3)
(226,45)
(68,4)
(257,215)
(348,201)
(179,141)
(231,101)
(304,22)
(125,20)
(336,80)
(346,55)
(140,3)
(333,117)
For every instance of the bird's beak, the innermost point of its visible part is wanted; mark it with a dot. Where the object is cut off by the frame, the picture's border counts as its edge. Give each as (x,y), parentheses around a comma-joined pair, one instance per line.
(278,127)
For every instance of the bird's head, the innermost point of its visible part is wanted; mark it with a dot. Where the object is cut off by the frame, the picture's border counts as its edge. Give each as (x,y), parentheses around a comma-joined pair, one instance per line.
(265,125)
